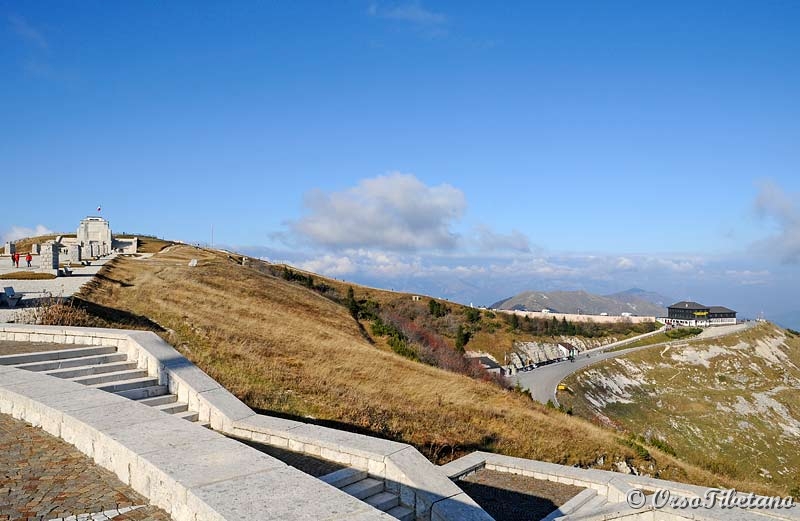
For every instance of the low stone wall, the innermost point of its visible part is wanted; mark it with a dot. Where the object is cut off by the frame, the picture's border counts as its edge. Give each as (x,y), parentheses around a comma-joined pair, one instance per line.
(420,484)
(612,486)
(189,471)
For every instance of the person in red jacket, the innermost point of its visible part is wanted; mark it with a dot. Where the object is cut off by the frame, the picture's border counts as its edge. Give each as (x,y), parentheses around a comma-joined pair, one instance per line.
(28,259)
(16,260)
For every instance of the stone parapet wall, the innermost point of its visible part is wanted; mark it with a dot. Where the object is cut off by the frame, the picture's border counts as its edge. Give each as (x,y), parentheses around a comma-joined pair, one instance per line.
(189,471)
(419,483)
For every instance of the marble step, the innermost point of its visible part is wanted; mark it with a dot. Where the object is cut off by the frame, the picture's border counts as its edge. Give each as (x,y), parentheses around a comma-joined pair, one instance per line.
(86,370)
(365,488)
(73,362)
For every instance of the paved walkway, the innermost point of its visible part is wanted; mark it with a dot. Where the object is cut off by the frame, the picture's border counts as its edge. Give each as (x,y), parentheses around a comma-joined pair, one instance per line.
(511,497)
(57,287)
(44,478)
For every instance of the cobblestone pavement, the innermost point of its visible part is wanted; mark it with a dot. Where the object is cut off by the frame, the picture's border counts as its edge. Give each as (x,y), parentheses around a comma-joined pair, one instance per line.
(43,478)
(11,348)
(510,497)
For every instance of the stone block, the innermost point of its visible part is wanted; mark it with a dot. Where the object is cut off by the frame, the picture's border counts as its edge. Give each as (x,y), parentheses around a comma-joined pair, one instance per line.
(221,408)
(409,467)
(268,424)
(464,465)
(207,461)
(279,494)
(459,507)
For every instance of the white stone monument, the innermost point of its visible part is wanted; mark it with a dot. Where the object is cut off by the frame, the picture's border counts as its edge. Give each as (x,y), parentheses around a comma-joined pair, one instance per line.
(74,254)
(11,248)
(48,260)
(94,237)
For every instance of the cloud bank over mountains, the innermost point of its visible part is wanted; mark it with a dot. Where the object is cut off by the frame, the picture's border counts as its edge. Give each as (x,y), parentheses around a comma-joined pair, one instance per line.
(395,231)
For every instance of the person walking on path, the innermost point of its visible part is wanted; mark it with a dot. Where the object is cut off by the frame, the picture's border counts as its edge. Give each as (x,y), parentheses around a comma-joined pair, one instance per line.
(16,260)
(28,259)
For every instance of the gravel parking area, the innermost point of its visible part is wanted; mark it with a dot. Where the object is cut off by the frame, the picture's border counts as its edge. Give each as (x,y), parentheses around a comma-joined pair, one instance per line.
(36,289)
(510,497)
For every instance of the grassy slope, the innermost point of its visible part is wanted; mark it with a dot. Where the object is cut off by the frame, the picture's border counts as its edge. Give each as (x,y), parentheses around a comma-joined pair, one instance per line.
(729,404)
(490,334)
(285,349)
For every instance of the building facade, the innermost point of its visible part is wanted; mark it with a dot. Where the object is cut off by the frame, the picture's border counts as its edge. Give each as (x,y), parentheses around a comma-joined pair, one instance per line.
(94,237)
(693,314)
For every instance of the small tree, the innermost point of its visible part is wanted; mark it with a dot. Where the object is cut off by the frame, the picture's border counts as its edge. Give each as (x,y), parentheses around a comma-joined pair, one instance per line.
(462,337)
(352,304)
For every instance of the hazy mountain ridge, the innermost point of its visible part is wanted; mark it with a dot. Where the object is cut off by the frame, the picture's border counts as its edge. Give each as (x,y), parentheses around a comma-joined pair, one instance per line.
(635,301)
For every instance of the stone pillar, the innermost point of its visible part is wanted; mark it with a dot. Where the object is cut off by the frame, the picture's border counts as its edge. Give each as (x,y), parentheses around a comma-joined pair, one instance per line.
(48,259)
(74,254)
(35,248)
(11,248)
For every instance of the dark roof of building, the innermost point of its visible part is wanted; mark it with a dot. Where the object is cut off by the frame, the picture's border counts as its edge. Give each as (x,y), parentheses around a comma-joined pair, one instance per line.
(488,363)
(686,304)
(720,309)
(567,345)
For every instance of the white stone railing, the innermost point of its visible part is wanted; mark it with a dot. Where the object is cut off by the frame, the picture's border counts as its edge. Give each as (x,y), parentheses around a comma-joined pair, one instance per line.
(613,486)
(420,484)
(193,473)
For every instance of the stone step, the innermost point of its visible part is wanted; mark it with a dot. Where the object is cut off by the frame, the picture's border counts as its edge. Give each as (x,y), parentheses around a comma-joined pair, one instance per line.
(126,385)
(86,370)
(402,513)
(365,488)
(141,393)
(59,354)
(173,408)
(116,376)
(191,416)
(73,362)
(383,500)
(159,400)
(342,478)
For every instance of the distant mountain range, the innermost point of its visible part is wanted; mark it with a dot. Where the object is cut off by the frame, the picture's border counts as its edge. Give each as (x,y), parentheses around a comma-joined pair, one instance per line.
(635,301)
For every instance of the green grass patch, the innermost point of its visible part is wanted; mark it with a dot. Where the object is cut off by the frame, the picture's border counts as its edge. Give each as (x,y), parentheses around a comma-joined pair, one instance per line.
(683,332)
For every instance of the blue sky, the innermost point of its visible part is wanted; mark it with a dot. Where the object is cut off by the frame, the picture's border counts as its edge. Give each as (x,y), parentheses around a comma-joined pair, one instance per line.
(465,149)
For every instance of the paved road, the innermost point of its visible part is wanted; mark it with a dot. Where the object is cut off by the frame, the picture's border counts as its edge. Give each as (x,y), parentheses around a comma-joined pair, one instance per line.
(542,382)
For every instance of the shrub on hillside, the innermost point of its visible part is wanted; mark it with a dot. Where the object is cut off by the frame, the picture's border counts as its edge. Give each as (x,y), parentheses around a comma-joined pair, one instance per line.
(683,332)
(55,311)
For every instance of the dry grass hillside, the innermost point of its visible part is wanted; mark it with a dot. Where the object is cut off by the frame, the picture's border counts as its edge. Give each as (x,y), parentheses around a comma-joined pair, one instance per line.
(729,404)
(287,350)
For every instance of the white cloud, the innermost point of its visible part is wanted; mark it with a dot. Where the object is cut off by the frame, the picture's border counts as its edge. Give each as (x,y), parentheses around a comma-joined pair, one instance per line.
(490,241)
(27,32)
(774,204)
(329,265)
(411,12)
(20,232)
(624,263)
(395,212)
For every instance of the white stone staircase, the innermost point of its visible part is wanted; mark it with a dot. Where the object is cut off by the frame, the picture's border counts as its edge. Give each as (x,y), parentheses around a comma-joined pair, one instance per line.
(371,490)
(104,368)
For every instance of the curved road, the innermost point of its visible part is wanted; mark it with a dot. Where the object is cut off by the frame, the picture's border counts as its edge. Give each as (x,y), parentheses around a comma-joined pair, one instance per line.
(542,382)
